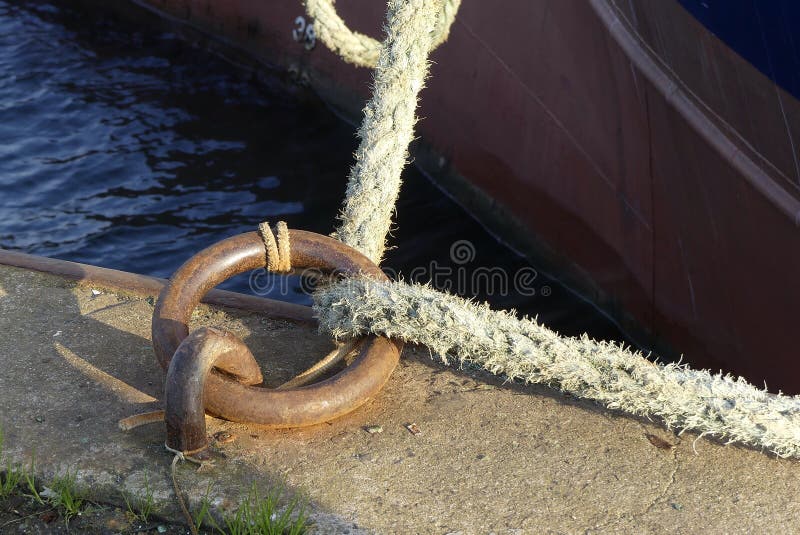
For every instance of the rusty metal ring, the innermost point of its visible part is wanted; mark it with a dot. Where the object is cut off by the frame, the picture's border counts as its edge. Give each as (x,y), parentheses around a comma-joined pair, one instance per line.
(230,399)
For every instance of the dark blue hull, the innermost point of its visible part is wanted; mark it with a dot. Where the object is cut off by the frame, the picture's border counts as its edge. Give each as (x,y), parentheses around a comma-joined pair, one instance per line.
(764,32)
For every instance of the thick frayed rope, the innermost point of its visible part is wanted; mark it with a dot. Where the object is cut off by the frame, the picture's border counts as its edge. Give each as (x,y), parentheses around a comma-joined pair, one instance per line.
(520,349)
(279,253)
(466,333)
(360,49)
(387,128)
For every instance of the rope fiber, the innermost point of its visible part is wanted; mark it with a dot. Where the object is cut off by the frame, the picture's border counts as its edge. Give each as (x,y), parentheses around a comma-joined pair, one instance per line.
(470,334)
(465,333)
(388,128)
(278,250)
(360,49)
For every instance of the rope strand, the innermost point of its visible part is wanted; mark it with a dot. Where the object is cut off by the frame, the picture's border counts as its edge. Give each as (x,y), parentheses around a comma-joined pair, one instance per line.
(278,250)
(464,332)
(360,49)
(388,127)
(185,510)
(468,334)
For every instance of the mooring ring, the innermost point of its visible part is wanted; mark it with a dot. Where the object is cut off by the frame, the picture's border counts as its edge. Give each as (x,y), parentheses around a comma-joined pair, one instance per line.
(296,407)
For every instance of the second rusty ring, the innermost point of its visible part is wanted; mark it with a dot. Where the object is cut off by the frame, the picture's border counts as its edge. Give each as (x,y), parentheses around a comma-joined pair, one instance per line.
(232,400)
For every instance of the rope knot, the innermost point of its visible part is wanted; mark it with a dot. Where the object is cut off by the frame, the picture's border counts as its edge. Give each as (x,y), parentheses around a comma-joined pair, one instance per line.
(278,250)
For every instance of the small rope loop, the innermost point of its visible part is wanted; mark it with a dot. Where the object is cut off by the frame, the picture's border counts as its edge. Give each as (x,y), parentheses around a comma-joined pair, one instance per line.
(362,50)
(187,455)
(279,250)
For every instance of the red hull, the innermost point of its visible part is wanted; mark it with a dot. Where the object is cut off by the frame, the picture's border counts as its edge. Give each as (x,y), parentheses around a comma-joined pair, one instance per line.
(666,188)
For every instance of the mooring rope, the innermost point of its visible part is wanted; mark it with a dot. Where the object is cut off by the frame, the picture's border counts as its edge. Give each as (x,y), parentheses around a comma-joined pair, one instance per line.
(360,49)
(388,128)
(463,332)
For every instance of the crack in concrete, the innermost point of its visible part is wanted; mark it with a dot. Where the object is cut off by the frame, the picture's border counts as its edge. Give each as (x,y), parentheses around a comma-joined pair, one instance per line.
(662,494)
(658,498)
(671,481)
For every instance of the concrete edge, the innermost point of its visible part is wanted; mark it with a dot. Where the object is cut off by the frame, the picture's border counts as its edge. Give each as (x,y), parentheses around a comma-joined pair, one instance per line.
(146,286)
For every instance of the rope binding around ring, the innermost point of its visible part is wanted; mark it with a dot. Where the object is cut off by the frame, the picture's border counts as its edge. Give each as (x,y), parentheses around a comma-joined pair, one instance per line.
(279,251)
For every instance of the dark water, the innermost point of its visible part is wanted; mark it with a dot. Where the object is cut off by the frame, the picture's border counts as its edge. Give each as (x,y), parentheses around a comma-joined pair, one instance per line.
(127,148)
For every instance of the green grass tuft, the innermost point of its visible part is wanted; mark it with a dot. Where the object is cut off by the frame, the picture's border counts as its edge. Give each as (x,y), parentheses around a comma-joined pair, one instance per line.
(264,516)
(205,512)
(141,508)
(10,478)
(10,475)
(64,496)
(256,515)
(30,482)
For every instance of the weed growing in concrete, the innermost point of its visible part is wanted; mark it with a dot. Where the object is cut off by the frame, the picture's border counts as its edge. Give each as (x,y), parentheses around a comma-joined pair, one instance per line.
(257,516)
(141,507)
(10,475)
(205,512)
(64,496)
(30,482)
(10,478)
